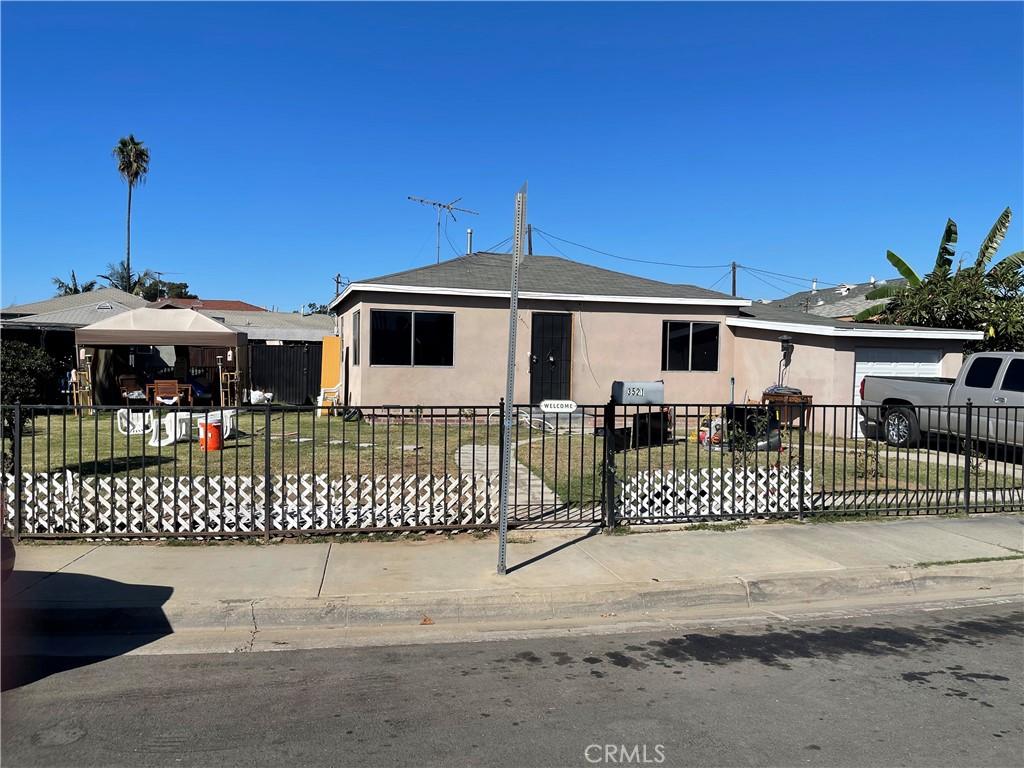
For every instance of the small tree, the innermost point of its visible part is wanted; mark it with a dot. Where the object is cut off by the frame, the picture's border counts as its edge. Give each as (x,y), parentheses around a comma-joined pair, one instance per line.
(26,373)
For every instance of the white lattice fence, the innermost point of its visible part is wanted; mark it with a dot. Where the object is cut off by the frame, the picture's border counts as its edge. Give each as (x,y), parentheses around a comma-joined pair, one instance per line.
(666,495)
(69,503)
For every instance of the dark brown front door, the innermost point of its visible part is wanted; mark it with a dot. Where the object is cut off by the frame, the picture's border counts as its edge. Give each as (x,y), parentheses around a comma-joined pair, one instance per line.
(550,356)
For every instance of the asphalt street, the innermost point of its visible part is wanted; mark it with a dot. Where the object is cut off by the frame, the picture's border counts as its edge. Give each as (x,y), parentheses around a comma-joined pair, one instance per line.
(916,688)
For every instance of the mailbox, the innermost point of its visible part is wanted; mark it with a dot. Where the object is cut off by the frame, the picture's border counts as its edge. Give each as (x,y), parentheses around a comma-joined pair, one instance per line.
(638,392)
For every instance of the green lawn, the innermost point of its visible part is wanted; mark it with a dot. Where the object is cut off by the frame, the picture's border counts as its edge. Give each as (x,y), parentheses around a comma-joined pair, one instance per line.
(299,443)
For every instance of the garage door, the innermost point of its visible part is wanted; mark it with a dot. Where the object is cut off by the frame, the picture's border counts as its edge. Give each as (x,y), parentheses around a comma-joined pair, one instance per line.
(880,361)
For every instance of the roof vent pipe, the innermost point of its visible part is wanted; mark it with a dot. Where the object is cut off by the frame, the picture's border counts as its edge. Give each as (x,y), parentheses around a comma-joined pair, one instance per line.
(469,241)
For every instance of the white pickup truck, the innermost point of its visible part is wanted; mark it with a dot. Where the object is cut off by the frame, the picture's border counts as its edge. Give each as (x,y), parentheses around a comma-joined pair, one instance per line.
(906,407)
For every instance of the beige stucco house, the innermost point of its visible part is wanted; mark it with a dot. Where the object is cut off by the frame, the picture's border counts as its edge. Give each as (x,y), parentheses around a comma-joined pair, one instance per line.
(438,335)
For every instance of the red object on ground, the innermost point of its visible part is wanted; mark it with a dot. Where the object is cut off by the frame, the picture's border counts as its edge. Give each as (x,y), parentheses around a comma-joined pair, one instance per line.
(209,437)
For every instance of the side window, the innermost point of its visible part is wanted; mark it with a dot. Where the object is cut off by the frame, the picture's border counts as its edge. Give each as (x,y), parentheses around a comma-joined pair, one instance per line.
(355,337)
(1013,380)
(982,373)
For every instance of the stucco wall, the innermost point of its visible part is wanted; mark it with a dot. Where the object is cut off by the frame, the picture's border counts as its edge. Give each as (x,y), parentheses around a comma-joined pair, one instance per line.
(609,341)
(821,366)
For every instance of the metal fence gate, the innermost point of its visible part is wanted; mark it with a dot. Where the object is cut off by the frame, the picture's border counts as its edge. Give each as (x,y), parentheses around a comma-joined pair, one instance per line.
(112,472)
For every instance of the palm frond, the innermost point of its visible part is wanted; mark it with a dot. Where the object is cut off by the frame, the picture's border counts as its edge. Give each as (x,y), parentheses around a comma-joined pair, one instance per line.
(883,292)
(905,270)
(994,239)
(947,248)
(1014,261)
(869,313)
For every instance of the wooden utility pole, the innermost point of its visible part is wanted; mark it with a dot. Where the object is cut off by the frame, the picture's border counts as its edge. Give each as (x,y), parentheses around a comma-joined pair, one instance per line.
(734,278)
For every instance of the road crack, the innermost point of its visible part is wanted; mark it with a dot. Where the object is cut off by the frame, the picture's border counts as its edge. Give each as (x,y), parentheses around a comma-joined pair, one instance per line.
(247,647)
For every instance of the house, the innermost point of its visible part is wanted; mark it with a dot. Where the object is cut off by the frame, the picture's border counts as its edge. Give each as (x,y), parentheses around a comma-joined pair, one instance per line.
(233,305)
(292,373)
(437,335)
(840,302)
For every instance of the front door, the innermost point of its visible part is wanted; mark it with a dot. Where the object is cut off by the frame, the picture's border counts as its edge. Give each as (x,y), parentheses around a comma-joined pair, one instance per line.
(550,356)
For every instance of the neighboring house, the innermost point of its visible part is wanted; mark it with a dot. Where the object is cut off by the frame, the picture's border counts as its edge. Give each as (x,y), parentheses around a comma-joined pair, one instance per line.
(438,335)
(233,305)
(841,302)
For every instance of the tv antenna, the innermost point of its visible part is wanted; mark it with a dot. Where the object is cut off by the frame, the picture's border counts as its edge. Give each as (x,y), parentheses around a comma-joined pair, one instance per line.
(450,208)
(160,281)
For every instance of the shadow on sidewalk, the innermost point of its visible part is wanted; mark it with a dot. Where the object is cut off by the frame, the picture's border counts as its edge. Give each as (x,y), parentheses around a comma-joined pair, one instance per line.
(554,550)
(53,622)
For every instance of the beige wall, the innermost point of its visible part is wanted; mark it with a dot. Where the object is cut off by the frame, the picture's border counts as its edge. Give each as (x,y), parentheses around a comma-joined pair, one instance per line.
(821,366)
(609,341)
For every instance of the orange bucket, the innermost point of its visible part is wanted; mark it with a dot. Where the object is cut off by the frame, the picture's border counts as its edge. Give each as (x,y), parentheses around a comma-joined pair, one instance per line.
(209,437)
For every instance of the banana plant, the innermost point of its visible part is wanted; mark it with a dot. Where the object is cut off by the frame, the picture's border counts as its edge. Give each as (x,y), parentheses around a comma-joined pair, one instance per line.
(944,264)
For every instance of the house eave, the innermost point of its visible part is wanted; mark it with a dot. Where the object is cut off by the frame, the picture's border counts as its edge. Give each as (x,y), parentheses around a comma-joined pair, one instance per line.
(537,295)
(866,332)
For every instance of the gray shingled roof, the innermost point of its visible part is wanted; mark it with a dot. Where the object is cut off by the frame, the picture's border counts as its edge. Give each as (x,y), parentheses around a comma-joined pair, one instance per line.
(833,302)
(541,274)
(774,313)
(71,317)
(283,326)
(60,303)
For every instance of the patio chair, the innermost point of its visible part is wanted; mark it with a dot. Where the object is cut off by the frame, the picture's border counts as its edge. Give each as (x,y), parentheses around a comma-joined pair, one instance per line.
(131,423)
(177,428)
(131,388)
(166,392)
(225,417)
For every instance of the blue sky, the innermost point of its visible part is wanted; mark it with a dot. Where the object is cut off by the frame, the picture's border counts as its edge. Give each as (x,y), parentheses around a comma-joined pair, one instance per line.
(804,139)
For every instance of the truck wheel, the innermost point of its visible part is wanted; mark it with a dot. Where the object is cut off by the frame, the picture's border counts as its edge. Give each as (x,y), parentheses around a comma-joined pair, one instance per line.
(901,428)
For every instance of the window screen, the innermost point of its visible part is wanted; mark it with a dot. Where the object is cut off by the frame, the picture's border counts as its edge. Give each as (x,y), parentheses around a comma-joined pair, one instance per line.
(687,346)
(390,337)
(982,373)
(412,338)
(355,337)
(1013,381)
(704,347)
(434,338)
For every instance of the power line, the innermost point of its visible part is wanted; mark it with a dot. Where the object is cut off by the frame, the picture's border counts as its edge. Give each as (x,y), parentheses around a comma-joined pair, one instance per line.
(498,244)
(628,258)
(793,277)
(541,233)
(770,285)
(712,286)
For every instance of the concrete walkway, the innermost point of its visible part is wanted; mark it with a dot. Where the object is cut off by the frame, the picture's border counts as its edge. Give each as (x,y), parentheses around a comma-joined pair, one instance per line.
(554,576)
(528,490)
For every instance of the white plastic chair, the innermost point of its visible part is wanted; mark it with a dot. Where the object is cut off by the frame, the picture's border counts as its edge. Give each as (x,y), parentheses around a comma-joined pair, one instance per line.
(134,422)
(225,417)
(177,427)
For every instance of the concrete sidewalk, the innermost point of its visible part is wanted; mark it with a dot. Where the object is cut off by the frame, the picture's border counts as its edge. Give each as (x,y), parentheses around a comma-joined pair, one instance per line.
(561,575)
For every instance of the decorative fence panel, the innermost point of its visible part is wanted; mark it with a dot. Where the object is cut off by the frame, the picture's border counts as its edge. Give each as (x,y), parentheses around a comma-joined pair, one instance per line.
(112,472)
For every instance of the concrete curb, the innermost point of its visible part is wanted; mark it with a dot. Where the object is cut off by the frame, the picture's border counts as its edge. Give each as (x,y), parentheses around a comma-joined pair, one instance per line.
(455,607)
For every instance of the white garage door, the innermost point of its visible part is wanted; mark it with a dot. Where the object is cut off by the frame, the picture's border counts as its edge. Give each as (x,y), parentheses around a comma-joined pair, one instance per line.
(881,361)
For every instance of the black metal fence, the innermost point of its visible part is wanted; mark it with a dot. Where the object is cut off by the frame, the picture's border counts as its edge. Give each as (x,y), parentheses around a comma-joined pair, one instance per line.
(271,470)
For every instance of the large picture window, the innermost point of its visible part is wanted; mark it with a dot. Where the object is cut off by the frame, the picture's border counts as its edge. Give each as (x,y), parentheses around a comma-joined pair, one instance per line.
(687,346)
(412,338)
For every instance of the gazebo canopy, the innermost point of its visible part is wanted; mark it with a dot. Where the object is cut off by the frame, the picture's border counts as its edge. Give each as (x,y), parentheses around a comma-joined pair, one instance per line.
(159,327)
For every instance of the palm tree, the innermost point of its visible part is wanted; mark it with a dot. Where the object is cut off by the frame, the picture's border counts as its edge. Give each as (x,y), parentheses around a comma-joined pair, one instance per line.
(119,275)
(72,286)
(132,164)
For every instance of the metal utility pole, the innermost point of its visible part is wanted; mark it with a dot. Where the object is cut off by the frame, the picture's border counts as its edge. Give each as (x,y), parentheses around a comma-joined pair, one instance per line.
(734,278)
(439,207)
(510,377)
